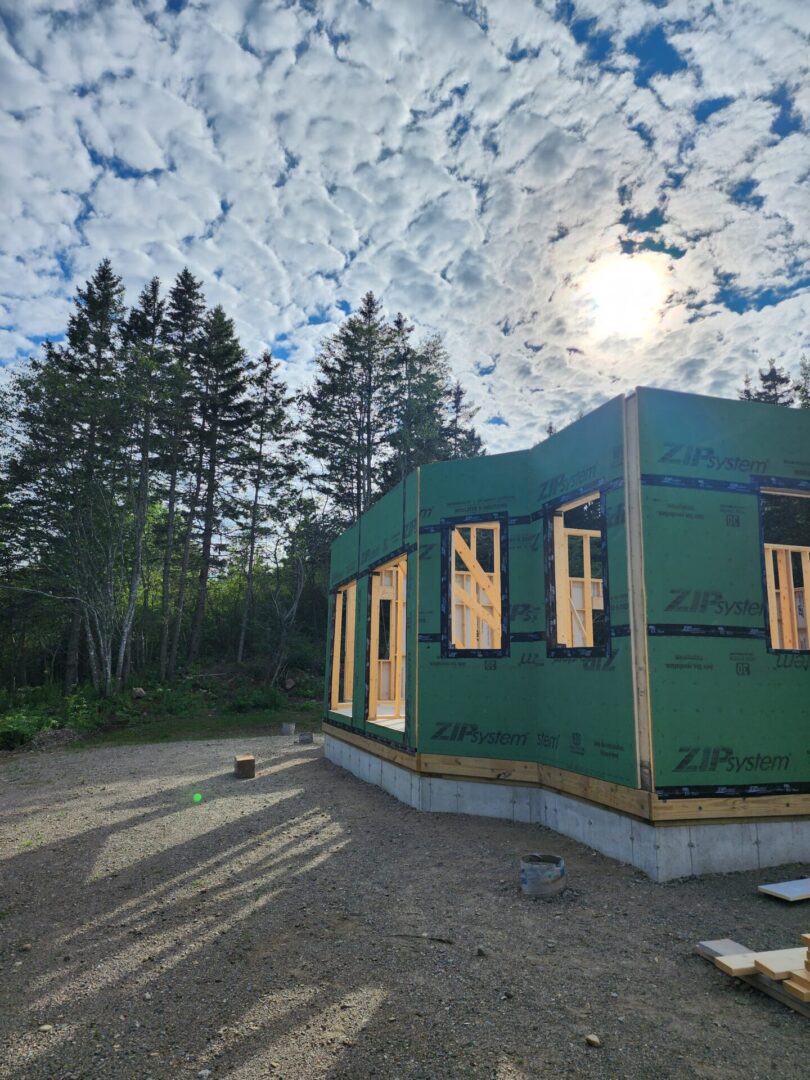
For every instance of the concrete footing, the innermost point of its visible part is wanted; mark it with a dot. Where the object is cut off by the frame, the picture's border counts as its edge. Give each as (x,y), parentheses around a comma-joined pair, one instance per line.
(661,852)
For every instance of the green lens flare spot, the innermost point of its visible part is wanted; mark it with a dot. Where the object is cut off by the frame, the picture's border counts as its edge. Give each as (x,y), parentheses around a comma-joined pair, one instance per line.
(197,797)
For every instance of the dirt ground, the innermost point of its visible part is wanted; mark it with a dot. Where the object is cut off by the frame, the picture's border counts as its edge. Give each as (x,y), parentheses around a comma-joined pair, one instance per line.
(276,928)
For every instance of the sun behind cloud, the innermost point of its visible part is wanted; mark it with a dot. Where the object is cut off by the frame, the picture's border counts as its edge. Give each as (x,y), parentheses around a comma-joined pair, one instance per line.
(625,294)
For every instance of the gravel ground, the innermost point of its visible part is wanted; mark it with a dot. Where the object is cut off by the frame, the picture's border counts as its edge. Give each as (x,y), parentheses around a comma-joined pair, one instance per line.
(306,925)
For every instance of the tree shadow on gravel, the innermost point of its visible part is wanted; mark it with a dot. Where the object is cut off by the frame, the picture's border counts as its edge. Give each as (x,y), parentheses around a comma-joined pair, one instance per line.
(306,925)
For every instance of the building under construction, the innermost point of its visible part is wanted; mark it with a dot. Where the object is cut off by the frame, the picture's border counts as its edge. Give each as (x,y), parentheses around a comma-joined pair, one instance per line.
(606,634)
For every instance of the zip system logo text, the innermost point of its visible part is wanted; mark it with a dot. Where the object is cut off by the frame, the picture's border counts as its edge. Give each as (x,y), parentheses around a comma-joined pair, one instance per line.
(723,759)
(705,457)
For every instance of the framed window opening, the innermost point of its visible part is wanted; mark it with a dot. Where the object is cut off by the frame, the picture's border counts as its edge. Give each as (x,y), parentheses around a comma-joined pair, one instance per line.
(576,578)
(343,640)
(387,645)
(475,583)
(785,518)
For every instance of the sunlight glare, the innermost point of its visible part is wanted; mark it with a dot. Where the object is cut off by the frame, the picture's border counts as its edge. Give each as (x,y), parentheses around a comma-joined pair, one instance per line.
(626,294)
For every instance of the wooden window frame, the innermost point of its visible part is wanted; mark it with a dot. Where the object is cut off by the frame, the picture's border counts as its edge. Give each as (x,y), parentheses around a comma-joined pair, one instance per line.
(396,593)
(560,619)
(341,694)
(787,619)
(490,619)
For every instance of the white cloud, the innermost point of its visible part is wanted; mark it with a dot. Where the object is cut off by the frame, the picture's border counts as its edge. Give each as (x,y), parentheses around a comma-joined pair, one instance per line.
(296,155)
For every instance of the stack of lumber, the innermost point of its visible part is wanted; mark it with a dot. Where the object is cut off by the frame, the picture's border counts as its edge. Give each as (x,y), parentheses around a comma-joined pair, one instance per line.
(782,973)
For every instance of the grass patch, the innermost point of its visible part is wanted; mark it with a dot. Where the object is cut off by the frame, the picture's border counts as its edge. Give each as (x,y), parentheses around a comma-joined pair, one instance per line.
(154,726)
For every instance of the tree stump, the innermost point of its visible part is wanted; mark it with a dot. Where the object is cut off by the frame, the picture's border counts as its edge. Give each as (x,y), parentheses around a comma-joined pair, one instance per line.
(244,766)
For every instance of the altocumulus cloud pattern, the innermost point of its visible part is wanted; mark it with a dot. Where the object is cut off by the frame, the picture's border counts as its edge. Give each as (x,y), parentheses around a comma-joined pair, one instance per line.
(471,162)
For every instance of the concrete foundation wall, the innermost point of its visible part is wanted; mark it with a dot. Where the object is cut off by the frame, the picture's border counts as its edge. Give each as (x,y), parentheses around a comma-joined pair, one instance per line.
(661,852)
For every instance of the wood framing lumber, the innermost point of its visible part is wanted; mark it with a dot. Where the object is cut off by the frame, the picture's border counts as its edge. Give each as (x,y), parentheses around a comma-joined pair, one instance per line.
(801,975)
(710,809)
(709,950)
(779,964)
(806,940)
(799,990)
(788,890)
(387,753)
(737,964)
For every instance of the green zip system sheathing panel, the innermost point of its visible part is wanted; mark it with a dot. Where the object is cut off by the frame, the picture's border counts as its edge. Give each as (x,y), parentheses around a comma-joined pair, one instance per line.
(729,714)
(387,529)
(572,713)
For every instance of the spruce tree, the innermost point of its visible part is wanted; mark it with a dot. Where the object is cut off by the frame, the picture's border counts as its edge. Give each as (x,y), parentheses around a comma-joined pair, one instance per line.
(775,387)
(345,409)
(272,464)
(175,444)
(802,387)
(461,438)
(226,413)
(418,395)
(145,363)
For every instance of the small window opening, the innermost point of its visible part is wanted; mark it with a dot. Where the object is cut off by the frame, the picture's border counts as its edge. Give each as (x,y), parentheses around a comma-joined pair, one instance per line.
(388,635)
(476,586)
(343,649)
(578,574)
(786,533)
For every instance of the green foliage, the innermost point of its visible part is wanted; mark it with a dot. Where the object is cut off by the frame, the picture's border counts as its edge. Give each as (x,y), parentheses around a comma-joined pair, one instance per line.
(267,699)
(775,387)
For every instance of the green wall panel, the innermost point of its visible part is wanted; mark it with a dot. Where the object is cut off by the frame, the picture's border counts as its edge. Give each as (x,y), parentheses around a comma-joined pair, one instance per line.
(721,715)
(726,711)
(576,714)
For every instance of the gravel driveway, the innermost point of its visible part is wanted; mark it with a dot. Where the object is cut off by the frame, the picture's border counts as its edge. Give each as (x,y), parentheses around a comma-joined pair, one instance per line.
(306,925)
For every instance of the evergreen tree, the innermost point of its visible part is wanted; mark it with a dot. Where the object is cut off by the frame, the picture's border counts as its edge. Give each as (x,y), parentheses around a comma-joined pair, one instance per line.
(418,395)
(775,387)
(70,466)
(345,409)
(461,438)
(272,465)
(802,387)
(226,414)
(146,358)
(176,440)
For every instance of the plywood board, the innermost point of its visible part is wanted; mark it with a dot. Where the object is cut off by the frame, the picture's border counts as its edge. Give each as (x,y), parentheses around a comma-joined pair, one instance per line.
(779,964)
(788,890)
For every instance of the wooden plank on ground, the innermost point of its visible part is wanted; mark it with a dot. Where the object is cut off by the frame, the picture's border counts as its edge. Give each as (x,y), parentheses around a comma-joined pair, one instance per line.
(779,964)
(711,949)
(788,890)
(797,989)
(737,964)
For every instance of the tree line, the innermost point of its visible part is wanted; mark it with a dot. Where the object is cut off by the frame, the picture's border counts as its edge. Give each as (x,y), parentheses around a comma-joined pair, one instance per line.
(165,498)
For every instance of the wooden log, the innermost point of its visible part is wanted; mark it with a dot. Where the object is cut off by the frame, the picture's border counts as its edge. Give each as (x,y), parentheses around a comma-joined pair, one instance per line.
(244,766)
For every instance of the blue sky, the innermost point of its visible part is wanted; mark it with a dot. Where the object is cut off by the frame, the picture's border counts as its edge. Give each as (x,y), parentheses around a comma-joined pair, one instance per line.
(470,162)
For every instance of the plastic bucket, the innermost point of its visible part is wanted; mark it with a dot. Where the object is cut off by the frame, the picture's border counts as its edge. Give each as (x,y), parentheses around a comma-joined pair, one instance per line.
(542,875)
(288,729)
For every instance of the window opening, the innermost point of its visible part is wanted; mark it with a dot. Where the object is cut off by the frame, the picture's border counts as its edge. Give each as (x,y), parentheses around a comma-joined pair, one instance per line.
(786,533)
(386,700)
(343,648)
(579,594)
(476,586)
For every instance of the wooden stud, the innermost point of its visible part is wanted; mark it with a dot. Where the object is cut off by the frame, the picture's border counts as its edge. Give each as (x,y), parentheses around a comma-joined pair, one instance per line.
(587,592)
(562,581)
(636,593)
(336,646)
(787,608)
(348,666)
(374,647)
(773,611)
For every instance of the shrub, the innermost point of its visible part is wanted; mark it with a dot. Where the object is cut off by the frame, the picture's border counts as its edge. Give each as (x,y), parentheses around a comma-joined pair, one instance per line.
(265,699)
